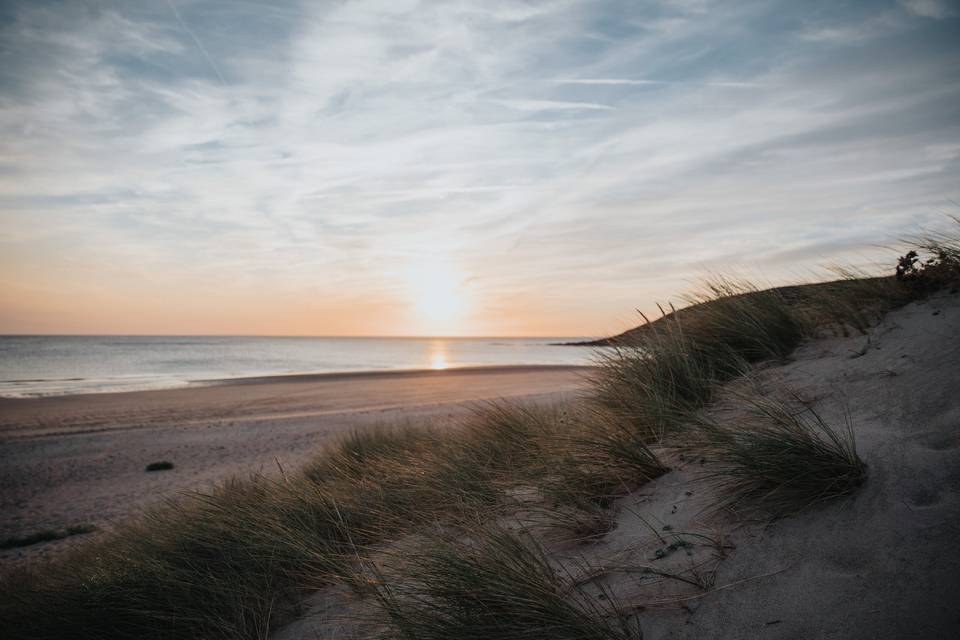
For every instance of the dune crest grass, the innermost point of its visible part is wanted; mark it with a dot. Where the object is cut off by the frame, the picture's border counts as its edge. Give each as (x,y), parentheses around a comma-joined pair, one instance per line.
(657,382)
(657,376)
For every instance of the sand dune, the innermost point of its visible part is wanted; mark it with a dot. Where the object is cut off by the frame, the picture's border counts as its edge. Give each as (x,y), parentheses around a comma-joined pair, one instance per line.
(881,563)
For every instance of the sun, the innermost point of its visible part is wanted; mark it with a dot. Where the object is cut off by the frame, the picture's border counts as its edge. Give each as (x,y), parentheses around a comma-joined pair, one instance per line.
(436,292)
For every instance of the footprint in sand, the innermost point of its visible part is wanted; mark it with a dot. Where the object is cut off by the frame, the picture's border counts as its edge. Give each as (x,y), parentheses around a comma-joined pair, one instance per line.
(848,560)
(923,496)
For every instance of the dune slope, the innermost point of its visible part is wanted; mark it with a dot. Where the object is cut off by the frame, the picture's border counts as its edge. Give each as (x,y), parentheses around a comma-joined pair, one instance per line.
(880,563)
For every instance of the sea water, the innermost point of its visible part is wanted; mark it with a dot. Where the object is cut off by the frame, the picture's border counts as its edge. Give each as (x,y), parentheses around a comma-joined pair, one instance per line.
(57,365)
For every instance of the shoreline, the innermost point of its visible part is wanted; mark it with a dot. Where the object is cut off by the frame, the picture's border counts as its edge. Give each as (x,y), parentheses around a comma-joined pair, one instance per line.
(371,374)
(281,378)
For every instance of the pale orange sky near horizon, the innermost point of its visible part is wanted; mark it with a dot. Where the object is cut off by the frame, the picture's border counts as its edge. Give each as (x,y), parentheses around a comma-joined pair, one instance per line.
(407,167)
(402,304)
(215,304)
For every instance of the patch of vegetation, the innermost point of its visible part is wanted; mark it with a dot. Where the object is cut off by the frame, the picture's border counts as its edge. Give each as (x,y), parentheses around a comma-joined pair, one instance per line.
(701,304)
(45,535)
(491,583)
(233,562)
(660,374)
(753,324)
(655,385)
(782,458)
(925,276)
(658,382)
(857,301)
(163,465)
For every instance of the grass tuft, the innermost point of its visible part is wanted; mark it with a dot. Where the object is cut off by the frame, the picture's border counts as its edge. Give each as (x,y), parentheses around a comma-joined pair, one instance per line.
(782,458)
(490,583)
(935,261)
(597,460)
(163,465)
(740,319)
(659,381)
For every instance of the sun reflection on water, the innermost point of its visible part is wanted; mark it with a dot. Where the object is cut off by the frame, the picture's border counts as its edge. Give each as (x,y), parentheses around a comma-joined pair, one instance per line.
(438,355)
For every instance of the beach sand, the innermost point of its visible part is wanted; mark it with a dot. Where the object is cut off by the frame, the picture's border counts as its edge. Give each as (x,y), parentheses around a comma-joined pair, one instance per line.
(80,459)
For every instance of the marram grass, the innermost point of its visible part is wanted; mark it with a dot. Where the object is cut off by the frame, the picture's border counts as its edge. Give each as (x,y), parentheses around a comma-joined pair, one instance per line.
(234,563)
(780,457)
(490,582)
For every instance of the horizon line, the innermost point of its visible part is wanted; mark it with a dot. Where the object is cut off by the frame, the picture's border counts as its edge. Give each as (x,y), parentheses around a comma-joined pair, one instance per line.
(272,335)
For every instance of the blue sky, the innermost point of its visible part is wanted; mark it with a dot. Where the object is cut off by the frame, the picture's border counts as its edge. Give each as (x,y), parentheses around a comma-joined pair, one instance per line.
(256,167)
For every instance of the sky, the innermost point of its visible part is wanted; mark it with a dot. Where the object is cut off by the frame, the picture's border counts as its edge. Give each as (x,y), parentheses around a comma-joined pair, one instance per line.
(394,167)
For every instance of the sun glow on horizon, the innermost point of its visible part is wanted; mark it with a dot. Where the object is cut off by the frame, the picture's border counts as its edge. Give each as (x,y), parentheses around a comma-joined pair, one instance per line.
(437,295)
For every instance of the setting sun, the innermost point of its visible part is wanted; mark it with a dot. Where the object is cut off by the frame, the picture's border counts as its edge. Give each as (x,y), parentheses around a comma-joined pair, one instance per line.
(436,293)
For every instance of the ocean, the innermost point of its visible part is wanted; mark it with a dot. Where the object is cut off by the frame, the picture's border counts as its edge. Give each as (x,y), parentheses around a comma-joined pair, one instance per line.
(57,365)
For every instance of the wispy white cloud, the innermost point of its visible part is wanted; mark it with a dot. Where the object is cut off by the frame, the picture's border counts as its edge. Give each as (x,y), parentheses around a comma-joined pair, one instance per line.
(553,105)
(202,49)
(610,81)
(938,9)
(849,32)
(318,148)
(643,82)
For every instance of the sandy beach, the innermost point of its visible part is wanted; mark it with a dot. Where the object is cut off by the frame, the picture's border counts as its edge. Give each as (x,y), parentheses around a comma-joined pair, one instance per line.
(69,460)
